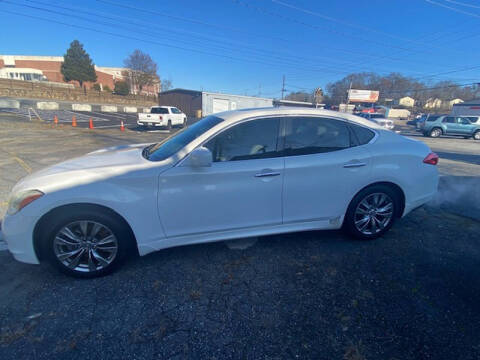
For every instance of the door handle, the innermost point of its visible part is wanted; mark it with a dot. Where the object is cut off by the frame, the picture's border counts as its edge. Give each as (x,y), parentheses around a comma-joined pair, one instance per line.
(265,174)
(354,165)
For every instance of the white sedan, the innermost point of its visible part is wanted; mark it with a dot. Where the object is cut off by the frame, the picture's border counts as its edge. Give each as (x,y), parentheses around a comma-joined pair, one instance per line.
(230,175)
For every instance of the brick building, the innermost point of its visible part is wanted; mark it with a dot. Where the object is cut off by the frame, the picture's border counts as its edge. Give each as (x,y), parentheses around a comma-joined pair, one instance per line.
(49,66)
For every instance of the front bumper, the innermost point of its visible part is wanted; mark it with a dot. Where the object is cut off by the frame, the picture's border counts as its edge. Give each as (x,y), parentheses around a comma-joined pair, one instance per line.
(17,232)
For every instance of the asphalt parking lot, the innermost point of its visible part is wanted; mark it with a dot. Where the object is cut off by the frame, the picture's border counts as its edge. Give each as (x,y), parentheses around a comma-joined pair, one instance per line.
(100,120)
(413,294)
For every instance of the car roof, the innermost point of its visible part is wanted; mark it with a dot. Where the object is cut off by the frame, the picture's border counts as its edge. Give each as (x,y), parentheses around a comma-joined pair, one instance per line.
(236,115)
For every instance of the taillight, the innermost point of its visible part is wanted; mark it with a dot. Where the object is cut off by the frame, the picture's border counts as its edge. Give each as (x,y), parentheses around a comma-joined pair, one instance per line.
(431,159)
(161,118)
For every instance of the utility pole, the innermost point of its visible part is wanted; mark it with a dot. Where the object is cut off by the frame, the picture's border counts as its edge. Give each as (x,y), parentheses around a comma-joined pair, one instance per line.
(283,87)
(348,97)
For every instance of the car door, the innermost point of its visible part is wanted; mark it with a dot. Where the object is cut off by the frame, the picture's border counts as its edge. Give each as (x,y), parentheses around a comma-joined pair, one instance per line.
(324,167)
(242,189)
(177,116)
(450,125)
(465,127)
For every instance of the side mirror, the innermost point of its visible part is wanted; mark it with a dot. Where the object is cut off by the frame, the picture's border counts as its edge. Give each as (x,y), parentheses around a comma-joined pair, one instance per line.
(200,157)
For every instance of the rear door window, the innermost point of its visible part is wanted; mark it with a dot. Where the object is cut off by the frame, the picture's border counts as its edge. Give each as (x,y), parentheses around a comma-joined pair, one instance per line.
(361,134)
(312,135)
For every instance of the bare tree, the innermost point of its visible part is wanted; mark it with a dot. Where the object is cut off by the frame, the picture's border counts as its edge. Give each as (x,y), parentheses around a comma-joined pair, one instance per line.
(142,70)
(166,84)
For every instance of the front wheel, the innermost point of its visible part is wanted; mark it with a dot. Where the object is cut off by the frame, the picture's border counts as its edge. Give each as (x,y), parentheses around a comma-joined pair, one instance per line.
(86,243)
(435,133)
(476,136)
(372,212)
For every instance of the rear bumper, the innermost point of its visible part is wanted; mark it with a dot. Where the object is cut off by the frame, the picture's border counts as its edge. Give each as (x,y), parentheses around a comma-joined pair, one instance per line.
(151,123)
(17,232)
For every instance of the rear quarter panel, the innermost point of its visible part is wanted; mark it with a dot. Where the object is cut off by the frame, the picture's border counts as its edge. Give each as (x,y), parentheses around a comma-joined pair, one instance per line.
(399,160)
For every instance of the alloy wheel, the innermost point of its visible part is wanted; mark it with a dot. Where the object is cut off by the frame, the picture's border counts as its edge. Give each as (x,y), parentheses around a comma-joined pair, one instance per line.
(436,132)
(85,246)
(374,213)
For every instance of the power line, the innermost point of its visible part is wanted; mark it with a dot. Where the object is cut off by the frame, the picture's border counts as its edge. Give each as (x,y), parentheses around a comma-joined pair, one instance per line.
(339,21)
(270,13)
(290,19)
(453,9)
(283,61)
(463,4)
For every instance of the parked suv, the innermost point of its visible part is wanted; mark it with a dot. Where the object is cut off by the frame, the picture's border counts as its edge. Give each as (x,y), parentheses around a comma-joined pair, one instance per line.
(452,125)
(420,125)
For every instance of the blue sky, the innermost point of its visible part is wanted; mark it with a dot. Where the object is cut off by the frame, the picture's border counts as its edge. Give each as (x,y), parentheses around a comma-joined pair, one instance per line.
(245,46)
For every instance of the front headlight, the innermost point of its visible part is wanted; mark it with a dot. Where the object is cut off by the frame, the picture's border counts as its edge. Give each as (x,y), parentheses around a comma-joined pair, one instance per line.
(19,200)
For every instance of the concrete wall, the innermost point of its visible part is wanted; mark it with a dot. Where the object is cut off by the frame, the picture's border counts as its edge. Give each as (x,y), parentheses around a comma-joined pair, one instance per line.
(44,91)
(81,107)
(108,108)
(47,105)
(9,104)
(130,109)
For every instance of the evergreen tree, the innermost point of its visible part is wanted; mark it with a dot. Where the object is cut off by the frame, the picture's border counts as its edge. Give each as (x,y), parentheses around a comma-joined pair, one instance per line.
(77,65)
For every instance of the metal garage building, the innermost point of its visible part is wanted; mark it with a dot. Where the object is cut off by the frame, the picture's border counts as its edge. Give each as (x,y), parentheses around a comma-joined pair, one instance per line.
(192,102)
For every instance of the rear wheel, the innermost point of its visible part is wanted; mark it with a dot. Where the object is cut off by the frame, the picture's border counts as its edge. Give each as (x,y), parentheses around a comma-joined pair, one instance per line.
(476,136)
(169,125)
(184,122)
(436,132)
(87,243)
(372,212)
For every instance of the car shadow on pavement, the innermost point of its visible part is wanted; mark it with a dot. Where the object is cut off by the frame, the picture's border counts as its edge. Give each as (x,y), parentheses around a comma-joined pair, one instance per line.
(468,158)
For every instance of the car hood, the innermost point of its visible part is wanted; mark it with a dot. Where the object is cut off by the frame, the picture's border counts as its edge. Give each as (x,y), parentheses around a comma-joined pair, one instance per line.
(94,166)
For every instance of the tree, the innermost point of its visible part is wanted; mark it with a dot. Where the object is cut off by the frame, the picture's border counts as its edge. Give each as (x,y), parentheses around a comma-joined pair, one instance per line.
(142,70)
(77,65)
(395,86)
(166,85)
(122,88)
(300,96)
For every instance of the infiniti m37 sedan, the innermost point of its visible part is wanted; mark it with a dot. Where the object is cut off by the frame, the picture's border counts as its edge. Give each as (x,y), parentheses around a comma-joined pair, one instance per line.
(231,175)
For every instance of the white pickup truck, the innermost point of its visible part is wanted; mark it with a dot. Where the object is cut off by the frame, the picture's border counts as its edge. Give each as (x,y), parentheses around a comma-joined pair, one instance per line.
(164,116)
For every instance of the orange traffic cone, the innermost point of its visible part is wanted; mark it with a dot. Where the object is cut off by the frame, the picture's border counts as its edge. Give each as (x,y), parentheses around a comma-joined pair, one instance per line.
(90,124)
(55,120)
(122,127)
(74,121)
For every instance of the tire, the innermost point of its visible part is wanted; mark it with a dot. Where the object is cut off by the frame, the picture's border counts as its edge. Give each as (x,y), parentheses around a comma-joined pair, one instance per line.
(357,213)
(58,242)
(436,132)
(476,135)
(184,122)
(169,125)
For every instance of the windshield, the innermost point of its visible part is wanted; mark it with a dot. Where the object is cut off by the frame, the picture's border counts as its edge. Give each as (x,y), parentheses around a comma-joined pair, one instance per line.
(174,143)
